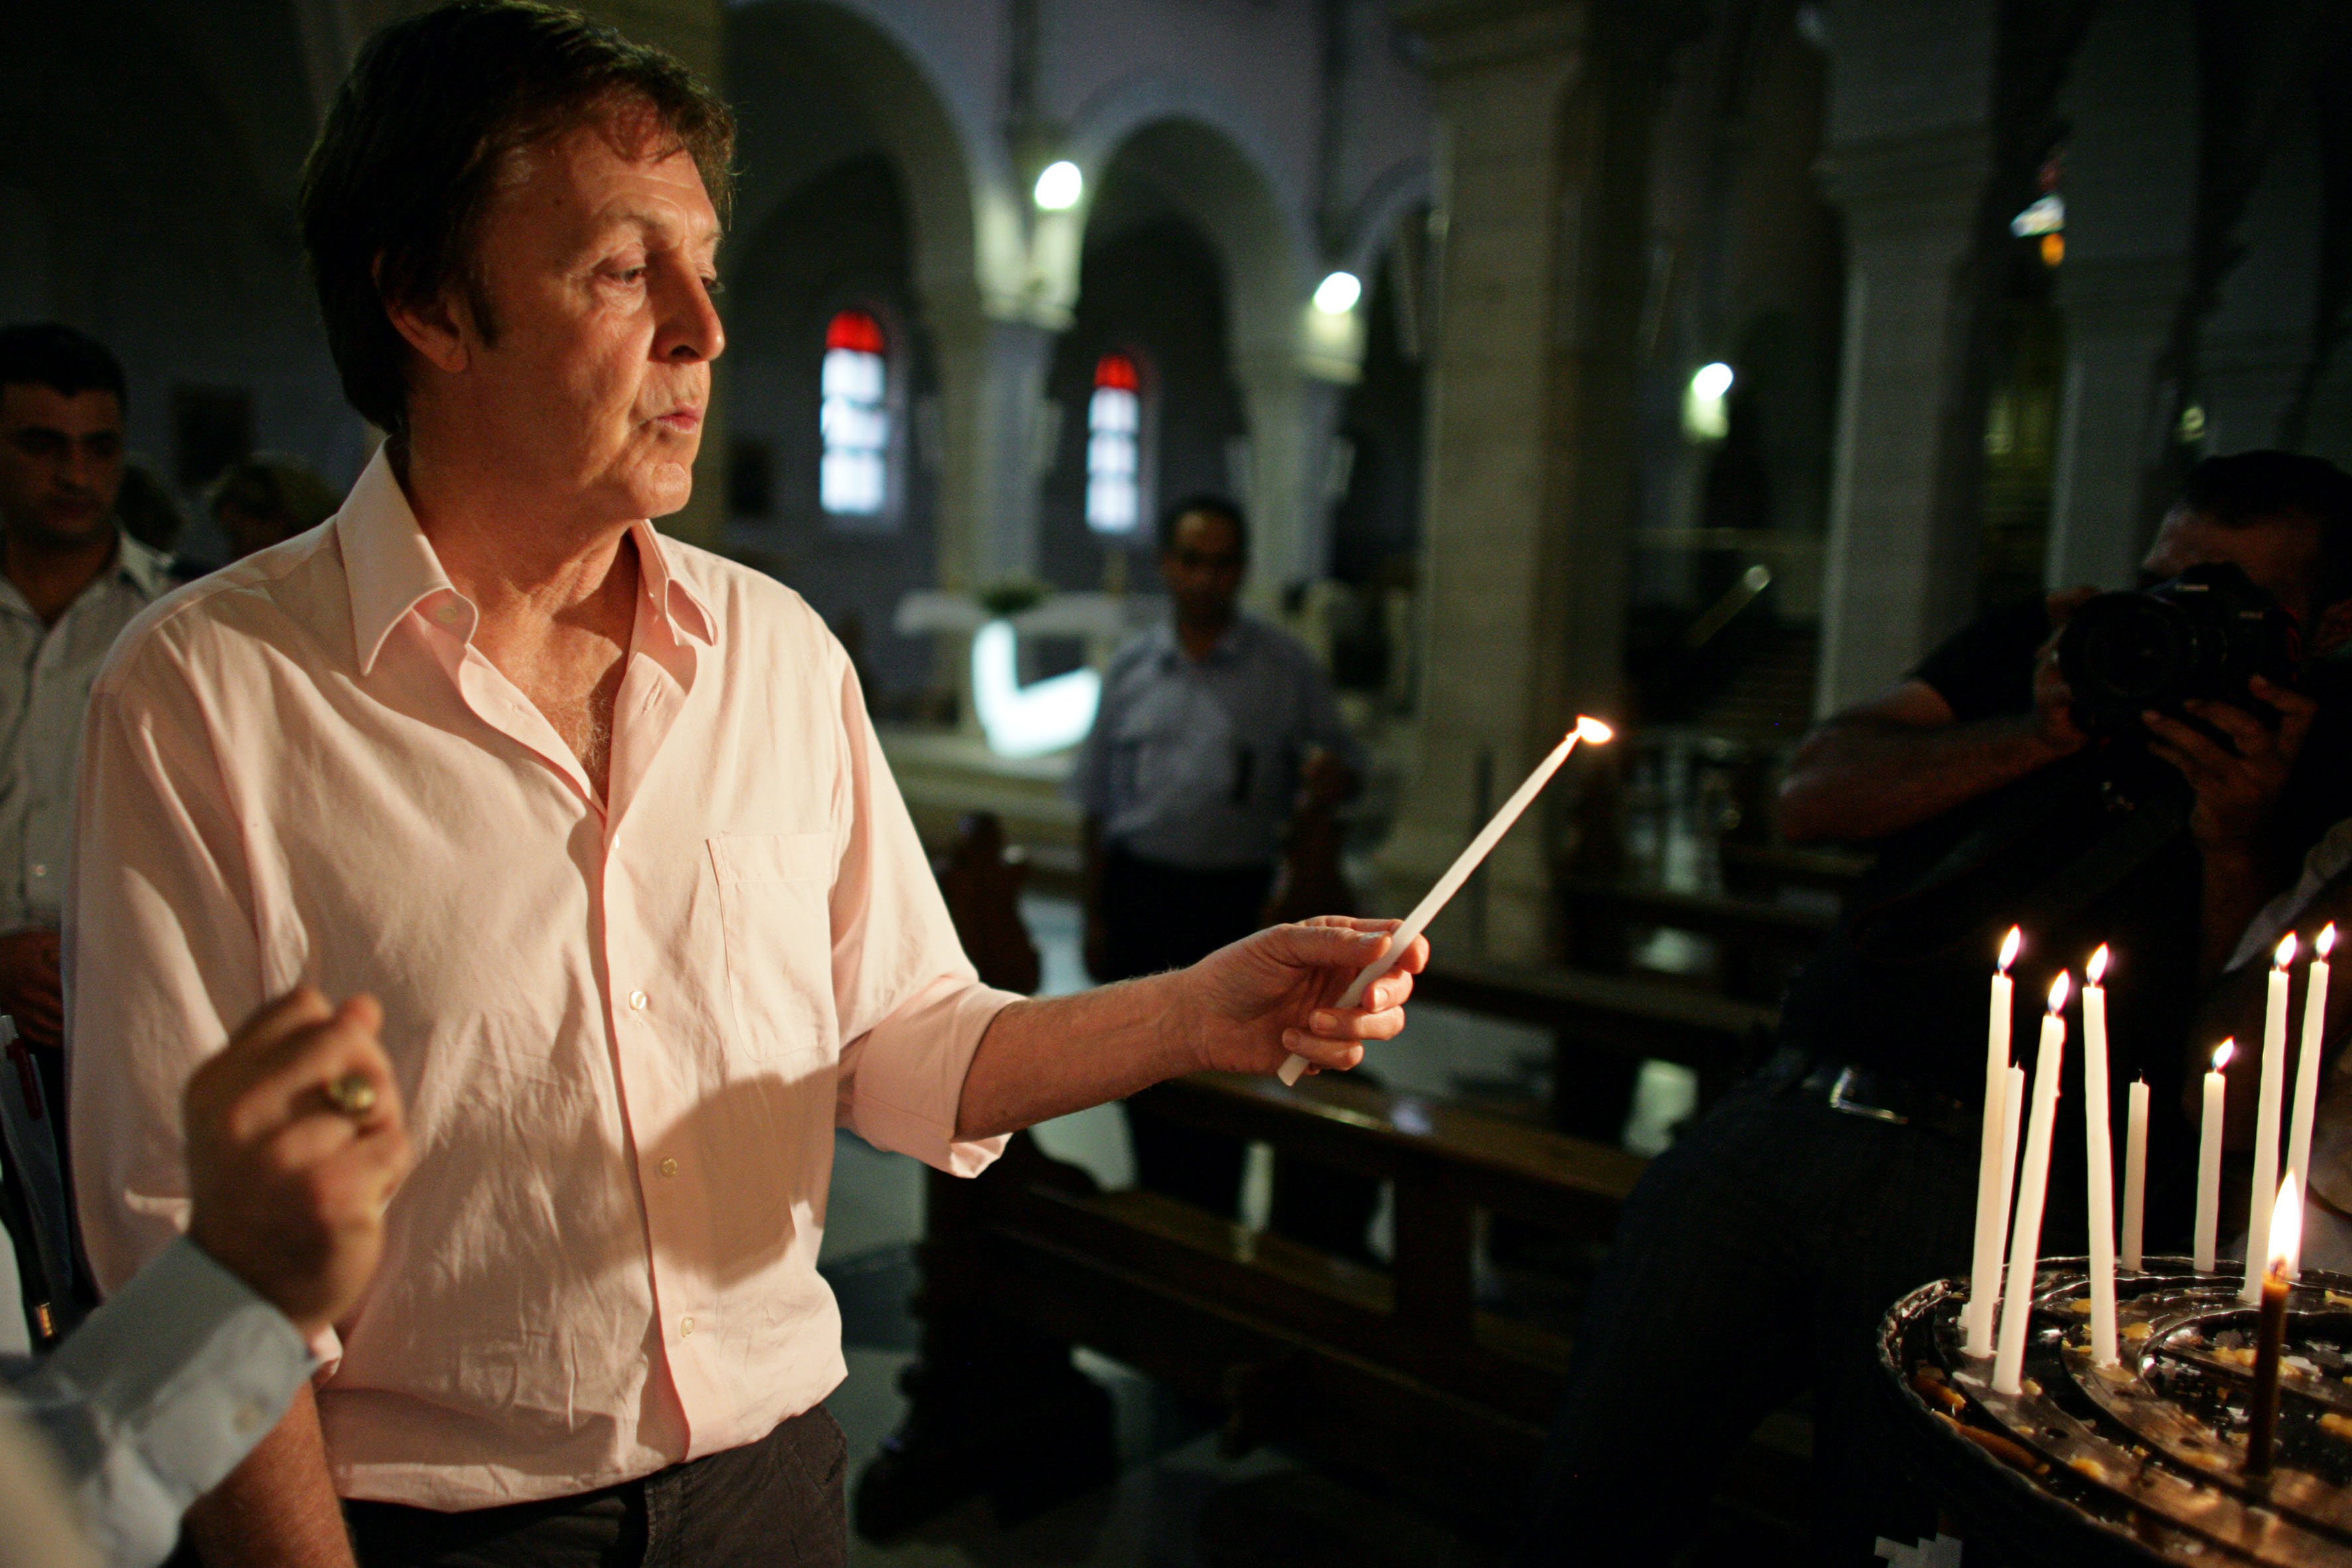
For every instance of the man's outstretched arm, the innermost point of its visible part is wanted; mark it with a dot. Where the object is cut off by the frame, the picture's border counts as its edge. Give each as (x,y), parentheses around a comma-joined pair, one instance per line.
(1906,756)
(1243,1008)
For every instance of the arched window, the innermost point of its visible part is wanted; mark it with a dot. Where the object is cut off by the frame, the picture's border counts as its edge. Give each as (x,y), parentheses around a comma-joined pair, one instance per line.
(853,479)
(1115,446)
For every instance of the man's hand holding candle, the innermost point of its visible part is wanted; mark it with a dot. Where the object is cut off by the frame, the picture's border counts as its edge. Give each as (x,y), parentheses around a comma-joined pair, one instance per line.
(1259,1002)
(1246,1007)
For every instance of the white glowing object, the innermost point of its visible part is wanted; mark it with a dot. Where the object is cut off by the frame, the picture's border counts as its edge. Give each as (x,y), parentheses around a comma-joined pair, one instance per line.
(1337,294)
(1049,715)
(1704,415)
(1059,186)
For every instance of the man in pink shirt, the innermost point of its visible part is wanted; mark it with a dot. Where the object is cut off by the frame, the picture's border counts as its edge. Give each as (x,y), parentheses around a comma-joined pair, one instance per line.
(600,820)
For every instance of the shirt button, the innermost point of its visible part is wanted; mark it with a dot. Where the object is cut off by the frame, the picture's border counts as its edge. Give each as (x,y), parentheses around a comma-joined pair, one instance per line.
(449,612)
(685,1327)
(39,869)
(250,1417)
(669,1167)
(637,1000)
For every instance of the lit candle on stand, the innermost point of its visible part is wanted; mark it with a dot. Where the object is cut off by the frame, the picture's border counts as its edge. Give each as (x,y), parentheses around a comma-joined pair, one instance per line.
(1586,729)
(2307,1066)
(2012,1119)
(2135,1172)
(2270,1333)
(2209,1161)
(2033,1186)
(2099,1157)
(1992,1164)
(2266,1119)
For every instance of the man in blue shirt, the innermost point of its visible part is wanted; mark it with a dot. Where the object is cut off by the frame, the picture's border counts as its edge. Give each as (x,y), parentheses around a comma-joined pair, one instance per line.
(296,1143)
(1211,726)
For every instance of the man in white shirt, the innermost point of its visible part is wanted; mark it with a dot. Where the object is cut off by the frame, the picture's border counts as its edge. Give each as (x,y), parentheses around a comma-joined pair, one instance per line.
(71,579)
(600,820)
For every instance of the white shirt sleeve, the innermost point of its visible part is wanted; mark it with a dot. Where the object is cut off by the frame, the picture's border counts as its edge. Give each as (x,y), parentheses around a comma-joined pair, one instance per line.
(157,1395)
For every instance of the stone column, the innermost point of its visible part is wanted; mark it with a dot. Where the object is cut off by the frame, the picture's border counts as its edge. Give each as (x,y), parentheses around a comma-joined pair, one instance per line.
(992,401)
(1292,415)
(1544,112)
(2130,193)
(1909,155)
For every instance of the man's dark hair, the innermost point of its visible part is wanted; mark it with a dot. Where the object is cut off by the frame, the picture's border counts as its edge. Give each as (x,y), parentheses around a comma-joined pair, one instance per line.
(395,192)
(1212,505)
(2247,488)
(51,354)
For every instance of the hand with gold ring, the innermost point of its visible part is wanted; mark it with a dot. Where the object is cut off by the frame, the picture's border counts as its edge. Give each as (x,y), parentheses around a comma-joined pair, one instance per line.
(296,1144)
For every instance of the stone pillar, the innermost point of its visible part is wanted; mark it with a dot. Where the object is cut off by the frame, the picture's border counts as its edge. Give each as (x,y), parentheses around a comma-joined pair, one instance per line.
(992,401)
(1544,110)
(2130,192)
(1292,416)
(2257,344)
(1910,153)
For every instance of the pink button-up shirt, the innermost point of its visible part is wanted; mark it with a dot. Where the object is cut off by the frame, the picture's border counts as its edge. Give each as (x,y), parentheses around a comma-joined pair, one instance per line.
(624,1031)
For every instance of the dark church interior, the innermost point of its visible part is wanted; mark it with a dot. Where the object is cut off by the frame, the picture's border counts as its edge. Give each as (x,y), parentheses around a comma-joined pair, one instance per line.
(770,666)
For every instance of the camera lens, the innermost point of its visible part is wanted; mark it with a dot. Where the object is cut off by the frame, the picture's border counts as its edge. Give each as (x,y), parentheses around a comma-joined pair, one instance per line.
(2138,648)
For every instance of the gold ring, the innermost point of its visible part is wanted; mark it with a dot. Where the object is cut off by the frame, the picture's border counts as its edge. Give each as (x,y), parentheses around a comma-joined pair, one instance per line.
(354,1094)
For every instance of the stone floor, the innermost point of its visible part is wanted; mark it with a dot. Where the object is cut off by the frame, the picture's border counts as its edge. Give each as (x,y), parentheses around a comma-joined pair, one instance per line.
(1178,1503)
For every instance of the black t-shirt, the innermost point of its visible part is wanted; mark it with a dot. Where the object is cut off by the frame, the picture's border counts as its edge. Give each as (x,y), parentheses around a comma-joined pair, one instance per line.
(1921,1016)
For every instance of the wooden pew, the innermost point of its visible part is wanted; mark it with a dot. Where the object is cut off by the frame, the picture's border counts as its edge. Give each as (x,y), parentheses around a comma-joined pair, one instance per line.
(1603,1027)
(1400,1374)
(1758,941)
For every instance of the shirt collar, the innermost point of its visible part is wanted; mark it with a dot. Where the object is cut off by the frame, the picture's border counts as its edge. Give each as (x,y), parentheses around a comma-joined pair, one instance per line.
(149,571)
(393,570)
(1227,647)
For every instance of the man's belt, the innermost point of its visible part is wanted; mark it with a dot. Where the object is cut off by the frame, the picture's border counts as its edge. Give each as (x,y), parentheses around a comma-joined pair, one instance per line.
(1883,1097)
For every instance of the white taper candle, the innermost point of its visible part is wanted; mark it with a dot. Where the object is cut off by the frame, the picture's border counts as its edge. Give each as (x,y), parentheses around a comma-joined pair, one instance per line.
(2032,1188)
(2099,1159)
(2307,1066)
(2135,1173)
(1993,1220)
(2206,1239)
(1586,729)
(2267,1111)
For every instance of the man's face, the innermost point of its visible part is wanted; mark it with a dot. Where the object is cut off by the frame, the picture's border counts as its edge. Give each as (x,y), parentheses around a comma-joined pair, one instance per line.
(2281,555)
(598,268)
(60,464)
(1204,568)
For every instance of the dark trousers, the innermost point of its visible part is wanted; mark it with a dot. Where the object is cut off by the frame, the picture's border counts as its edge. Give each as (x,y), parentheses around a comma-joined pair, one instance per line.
(1158,917)
(1753,1261)
(776,1503)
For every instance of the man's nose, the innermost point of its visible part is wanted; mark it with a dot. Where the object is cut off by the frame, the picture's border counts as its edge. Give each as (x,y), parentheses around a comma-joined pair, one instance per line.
(690,328)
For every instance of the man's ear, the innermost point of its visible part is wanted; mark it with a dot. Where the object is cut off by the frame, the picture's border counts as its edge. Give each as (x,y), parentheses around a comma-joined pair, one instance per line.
(441,329)
(2332,630)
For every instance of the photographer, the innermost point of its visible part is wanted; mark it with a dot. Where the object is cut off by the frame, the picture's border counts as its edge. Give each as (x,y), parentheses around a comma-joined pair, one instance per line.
(1845,1174)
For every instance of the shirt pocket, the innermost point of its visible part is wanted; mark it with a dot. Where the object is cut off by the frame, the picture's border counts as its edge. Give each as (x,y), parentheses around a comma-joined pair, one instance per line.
(775,893)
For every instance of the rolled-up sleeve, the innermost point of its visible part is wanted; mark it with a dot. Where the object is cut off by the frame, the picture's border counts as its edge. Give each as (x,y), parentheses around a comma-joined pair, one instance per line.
(159,1394)
(911,1007)
(160,951)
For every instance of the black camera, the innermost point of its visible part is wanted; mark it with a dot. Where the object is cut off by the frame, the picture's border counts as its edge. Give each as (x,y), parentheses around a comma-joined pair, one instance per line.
(2203,633)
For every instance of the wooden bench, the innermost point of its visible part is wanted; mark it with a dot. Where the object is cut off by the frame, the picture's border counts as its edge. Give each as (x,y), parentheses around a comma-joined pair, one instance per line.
(1401,1373)
(1603,1027)
(1758,942)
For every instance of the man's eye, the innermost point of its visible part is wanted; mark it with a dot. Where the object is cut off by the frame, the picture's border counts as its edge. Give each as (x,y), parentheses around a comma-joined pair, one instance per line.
(712,286)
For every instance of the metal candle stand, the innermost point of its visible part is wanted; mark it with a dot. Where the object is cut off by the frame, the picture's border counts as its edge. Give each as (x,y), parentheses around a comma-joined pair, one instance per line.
(2144,1462)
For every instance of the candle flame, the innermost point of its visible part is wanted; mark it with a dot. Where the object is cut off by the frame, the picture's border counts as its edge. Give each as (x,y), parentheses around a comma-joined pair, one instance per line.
(2096,970)
(2009,948)
(2287,1227)
(2223,1052)
(2326,942)
(1590,729)
(2058,989)
(2285,954)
